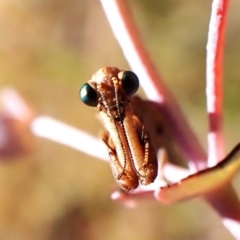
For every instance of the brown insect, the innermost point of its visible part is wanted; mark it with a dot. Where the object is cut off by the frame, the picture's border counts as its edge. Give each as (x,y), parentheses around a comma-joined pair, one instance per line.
(132,155)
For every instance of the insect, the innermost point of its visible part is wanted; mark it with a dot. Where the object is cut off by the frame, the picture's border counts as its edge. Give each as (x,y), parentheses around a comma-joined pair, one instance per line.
(132,155)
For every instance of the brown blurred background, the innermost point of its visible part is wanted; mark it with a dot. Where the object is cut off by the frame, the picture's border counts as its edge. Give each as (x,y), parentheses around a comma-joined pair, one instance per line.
(48,49)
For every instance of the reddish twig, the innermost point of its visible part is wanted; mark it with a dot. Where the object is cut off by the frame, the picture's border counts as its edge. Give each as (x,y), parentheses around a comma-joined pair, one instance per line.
(52,129)
(215,47)
(127,35)
(230,210)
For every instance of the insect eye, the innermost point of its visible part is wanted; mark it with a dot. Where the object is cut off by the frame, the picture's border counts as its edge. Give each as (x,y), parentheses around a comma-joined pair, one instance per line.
(88,95)
(130,82)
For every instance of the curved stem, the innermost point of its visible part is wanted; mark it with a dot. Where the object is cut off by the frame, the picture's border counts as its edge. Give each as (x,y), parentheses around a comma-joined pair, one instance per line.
(127,35)
(52,129)
(226,203)
(215,47)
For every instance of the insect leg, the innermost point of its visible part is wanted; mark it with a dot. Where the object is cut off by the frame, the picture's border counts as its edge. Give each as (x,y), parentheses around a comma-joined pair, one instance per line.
(148,170)
(126,179)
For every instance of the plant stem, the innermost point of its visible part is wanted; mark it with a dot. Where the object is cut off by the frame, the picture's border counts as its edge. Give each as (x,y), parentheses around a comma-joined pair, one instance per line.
(215,48)
(127,35)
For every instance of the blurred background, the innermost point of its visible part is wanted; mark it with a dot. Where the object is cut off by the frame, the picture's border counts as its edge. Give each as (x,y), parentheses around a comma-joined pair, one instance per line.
(48,49)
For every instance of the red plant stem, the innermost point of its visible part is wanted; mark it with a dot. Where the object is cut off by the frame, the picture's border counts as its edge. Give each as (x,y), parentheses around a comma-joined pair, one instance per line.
(127,35)
(226,203)
(215,47)
(52,129)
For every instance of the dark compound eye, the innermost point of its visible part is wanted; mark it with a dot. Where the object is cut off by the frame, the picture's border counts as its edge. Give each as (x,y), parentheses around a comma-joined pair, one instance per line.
(130,82)
(88,95)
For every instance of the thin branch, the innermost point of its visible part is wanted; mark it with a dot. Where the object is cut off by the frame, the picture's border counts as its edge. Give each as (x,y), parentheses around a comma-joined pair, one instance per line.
(52,129)
(226,201)
(127,35)
(227,205)
(119,18)
(215,48)
(14,108)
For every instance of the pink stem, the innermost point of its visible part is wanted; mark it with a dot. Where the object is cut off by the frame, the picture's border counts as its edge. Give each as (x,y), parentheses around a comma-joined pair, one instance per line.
(225,202)
(127,35)
(215,47)
(52,129)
